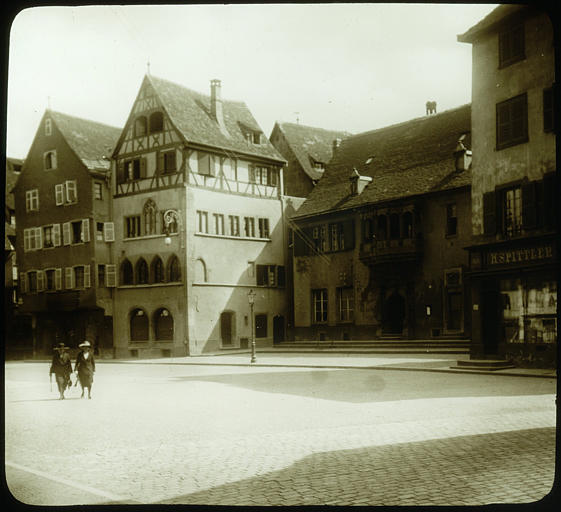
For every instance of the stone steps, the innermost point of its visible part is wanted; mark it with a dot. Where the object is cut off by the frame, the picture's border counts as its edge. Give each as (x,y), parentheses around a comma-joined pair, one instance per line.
(484,364)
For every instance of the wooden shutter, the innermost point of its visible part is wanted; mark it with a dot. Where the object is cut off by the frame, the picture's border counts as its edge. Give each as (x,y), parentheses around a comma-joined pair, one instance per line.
(69,277)
(143,167)
(23,282)
(56,235)
(26,239)
(87,276)
(85,234)
(66,233)
(160,162)
(529,211)
(550,186)
(204,163)
(262,276)
(110,276)
(109,231)
(58,279)
(40,281)
(120,178)
(38,238)
(59,194)
(489,213)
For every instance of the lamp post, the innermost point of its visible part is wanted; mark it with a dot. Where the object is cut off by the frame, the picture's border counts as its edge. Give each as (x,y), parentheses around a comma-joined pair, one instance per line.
(251,300)
(171,216)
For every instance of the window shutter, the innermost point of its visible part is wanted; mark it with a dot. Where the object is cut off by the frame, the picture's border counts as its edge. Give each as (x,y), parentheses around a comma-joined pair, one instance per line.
(549,200)
(66,233)
(160,162)
(87,276)
(38,238)
(69,277)
(261,272)
(58,278)
(280,276)
(109,231)
(143,167)
(85,235)
(56,235)
(489,213)
(120,178)
(26,240)
(110,276)
(59,194)
(40,281)
(23,282)
(529,211)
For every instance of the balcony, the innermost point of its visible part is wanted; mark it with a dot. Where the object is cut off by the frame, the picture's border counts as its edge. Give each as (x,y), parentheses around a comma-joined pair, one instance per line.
(376,252)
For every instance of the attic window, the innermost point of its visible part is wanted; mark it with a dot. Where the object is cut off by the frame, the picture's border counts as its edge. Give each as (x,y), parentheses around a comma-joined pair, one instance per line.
(140,126)
(48,127)
(253,136)
(156,122)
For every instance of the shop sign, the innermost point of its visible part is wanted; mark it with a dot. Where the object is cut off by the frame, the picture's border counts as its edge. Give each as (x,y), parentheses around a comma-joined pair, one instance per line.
(527,254)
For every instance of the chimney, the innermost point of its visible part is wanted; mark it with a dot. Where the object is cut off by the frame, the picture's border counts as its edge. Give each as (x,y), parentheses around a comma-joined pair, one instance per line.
(336,144)
(216,104)
(462,156)
(358,182)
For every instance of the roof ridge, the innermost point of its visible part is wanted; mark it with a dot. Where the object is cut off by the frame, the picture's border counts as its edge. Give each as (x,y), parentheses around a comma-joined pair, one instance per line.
(71,116)
(413,120)
(305,126)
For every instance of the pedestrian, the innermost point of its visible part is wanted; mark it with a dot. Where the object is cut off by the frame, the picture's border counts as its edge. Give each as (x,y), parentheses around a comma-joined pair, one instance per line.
(85,367)
(61,366)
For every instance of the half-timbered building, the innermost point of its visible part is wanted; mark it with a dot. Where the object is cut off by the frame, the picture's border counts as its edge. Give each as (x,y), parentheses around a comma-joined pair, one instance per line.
(198,225)
(64,233)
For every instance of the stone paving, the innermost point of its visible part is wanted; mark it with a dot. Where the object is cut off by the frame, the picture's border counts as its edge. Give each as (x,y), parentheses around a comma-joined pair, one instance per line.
(154,436)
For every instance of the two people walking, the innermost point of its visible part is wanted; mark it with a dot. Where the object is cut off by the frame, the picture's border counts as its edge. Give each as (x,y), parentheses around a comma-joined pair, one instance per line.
(61,366)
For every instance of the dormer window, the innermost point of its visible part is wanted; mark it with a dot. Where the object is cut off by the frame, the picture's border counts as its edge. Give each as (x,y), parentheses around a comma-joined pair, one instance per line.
(319,166)
(48,127)
(156,122)
(140,126)
(49,160)
(252,136)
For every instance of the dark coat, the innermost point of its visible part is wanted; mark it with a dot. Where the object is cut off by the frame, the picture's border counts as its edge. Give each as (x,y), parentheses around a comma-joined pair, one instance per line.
(85,368)
(61,365)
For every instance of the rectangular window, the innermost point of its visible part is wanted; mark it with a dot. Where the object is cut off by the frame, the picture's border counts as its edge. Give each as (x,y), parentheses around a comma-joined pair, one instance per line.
(97,190)
(218,223)
(49,160)
(50,284)
(548,110)
(512,208)
(132,226)
(249,227)
(272,177)
(511,46)
(101,276)
(48,237)
(169,162)
(109,231)
(261,326)
(202,221)
(206,164)
(32,281)
(234,225)
(59,194)
(319,236)
(512,121)
(48,127)
(32,200)
(319,305)
(99,231)
(270,275)
(71,191)
(451,220)
(263,228)
(345,298)
(79,277)
(32,239)
(111,275)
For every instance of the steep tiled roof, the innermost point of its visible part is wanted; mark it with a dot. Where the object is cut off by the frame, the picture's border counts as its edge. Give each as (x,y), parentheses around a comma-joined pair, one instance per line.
(495,16)
(405,159)
(307,141)
(190,113)
(90,141)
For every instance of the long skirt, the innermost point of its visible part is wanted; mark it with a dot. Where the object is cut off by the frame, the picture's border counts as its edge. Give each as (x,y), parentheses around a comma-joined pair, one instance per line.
(86,379)
(62,382)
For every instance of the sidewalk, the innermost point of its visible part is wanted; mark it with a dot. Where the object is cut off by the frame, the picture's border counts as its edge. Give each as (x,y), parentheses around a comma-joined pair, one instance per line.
(398,362)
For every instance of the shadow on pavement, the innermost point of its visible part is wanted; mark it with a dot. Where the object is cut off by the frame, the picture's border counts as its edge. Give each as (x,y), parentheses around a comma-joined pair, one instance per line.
(467,470)
(360,386)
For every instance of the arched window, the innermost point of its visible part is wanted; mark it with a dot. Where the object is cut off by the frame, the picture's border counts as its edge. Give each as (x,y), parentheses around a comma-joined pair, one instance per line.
(382,228)
(163,324)
(140,126)
(174,272)
(200,271)
(407,225)
(138,325)
(141,271)
(394,226)
(157,270)
(156,122)
(126,272)
(149,217)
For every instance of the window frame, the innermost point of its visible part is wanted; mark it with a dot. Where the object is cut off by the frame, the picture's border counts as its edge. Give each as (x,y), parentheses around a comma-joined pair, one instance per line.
(451,227)
(98,190)
(320,297)
(505,109)
(32,200)
(345,314)
(507,50)
(49,157)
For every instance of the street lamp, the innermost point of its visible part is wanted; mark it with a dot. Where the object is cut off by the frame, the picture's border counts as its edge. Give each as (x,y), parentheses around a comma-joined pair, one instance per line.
(171,216)
(251,300)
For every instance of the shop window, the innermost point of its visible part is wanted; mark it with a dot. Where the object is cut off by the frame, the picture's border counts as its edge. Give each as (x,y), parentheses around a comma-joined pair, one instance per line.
(163,324)
(512,121)
(138,325)
(319,306)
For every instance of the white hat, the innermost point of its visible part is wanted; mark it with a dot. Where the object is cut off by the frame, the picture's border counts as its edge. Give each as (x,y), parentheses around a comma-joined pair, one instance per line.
(85,344)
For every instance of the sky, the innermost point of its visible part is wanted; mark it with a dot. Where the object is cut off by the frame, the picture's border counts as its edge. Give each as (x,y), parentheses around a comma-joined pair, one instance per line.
(353,67)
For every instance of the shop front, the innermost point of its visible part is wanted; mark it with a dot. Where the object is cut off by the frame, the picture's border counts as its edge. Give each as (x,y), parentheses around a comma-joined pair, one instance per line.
(514,301)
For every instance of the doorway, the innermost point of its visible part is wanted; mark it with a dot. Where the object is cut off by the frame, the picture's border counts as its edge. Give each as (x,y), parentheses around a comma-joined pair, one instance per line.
(490,318)
(393,314)
(227,327)
(278,329)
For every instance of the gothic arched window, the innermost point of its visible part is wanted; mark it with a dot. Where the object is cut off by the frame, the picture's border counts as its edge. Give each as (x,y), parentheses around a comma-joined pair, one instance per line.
(158,272)
(141,271)
(174,272)
(126,272)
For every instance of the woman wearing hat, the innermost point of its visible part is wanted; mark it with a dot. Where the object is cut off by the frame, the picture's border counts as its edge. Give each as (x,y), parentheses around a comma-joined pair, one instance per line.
(85,366)
(62,368)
